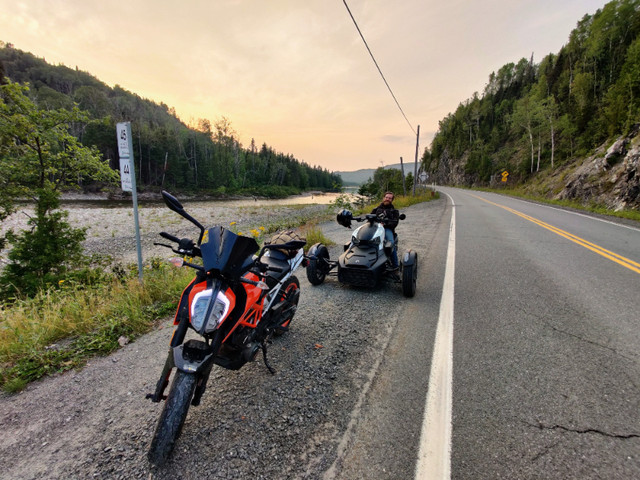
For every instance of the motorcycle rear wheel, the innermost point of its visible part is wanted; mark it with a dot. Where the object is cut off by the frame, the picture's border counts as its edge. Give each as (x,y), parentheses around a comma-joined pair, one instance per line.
(289,290)
(172,417)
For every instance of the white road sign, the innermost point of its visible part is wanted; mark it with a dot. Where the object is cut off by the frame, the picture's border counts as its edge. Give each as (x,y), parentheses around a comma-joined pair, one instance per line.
(123,139)
(125,174)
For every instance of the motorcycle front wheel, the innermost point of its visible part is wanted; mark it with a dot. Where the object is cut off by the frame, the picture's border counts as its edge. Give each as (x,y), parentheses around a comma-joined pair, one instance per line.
(172,417)
(410,276)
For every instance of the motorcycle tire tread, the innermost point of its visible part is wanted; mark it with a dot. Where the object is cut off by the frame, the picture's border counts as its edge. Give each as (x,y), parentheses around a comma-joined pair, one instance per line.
(172,418)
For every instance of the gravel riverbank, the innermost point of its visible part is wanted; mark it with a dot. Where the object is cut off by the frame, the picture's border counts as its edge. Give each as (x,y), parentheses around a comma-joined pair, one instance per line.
(111,231)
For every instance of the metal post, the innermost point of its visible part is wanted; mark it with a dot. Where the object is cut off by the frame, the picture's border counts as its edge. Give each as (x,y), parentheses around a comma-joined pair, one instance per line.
(128,179)
(415,165)
(134,195)
(404,188)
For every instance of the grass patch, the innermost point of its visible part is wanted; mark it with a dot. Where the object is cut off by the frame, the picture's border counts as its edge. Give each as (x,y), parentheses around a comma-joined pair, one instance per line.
(313,234)
(60,329)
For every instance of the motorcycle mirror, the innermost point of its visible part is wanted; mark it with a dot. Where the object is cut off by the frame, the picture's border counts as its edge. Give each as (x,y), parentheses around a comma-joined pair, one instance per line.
(172,202)
(174,205)
(402,216)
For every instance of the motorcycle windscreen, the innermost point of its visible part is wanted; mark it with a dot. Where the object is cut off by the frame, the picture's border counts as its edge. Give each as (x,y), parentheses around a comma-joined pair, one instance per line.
(226,252)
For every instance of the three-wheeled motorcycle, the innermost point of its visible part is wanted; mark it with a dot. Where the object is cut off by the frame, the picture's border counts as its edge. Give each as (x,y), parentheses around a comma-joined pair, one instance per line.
(366,260)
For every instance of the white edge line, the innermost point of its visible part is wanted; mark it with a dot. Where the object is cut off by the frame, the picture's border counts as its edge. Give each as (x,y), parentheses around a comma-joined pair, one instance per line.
(434,457)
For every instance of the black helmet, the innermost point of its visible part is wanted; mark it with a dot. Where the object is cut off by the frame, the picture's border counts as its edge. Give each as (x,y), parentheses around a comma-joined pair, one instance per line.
(344,218)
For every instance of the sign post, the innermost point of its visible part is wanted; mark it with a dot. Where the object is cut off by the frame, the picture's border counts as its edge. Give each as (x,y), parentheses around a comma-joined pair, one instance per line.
(128,179)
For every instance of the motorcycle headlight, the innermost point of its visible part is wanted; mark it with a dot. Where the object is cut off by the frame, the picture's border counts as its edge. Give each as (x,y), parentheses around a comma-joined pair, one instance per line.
(207,312)
(355,240)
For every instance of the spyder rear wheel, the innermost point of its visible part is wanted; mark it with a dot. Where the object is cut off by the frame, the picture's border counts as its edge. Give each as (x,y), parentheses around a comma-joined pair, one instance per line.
(410,275)
(291,294)
(172,417)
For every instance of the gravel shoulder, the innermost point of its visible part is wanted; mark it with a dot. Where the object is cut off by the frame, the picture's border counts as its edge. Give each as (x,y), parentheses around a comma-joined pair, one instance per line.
(301,422)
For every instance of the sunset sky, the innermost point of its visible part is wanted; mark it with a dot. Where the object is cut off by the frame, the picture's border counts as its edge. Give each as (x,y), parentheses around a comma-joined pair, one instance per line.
(295,73)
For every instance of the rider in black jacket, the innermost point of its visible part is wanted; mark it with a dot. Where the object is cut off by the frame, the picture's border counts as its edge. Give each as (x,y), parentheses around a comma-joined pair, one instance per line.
(391,218)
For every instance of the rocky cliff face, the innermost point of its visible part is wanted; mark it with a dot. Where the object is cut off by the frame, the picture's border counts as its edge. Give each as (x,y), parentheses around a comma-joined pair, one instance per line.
(450,171)
(610,177)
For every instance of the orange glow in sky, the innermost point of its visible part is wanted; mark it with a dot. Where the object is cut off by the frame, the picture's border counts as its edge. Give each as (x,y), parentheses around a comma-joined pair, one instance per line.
(295,74)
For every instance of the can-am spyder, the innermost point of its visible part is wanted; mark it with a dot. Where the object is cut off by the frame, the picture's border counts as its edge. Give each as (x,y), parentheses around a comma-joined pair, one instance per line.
(236,303)
(366,259)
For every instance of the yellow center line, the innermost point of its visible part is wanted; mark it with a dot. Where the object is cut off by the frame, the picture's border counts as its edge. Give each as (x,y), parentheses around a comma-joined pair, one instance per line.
(619,259)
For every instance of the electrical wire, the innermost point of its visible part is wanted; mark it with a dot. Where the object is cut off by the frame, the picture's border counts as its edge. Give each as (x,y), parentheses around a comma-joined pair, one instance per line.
(376,63)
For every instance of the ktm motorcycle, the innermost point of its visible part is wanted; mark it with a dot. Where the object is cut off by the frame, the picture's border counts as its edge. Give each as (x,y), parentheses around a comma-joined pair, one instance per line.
(236,303)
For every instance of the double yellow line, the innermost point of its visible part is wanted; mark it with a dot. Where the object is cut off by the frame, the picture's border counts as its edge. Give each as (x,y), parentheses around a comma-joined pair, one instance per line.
(619,259)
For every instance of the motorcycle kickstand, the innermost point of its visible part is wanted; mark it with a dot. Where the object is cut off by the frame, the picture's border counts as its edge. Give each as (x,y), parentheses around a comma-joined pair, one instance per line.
(264,356)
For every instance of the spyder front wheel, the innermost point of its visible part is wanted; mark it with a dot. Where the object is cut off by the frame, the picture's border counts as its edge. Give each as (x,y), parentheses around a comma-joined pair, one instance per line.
(318,264)
(410,275)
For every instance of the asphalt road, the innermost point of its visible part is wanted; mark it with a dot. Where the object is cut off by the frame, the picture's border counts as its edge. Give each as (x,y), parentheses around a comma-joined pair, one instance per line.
(546,342)
(544,361)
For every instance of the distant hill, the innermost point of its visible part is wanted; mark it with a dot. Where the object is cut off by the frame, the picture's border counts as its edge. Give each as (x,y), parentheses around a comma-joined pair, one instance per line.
(359,177)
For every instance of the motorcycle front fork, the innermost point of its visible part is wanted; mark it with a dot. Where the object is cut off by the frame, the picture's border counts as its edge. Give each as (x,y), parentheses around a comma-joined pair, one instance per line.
(161,386)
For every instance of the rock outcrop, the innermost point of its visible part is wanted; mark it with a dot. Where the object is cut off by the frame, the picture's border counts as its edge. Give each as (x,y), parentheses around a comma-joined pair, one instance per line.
(611,178)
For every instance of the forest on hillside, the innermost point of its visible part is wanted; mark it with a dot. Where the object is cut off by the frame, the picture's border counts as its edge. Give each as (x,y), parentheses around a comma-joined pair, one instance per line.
(533,117)
(207,157)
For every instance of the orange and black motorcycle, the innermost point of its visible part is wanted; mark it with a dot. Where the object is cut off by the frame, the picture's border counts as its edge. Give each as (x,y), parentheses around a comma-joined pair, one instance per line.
(236,303)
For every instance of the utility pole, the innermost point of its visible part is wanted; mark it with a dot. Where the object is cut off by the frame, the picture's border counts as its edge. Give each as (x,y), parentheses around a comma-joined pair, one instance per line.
(404,188)
(415,165)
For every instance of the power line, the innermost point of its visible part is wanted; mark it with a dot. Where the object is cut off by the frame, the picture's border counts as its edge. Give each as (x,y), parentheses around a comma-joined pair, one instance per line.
(376,63)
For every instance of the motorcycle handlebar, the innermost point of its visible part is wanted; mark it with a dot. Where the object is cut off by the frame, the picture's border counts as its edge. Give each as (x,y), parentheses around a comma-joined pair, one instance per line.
(168,236)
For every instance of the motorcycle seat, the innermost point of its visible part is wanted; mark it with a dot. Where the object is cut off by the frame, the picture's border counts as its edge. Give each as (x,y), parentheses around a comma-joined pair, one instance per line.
(278,260)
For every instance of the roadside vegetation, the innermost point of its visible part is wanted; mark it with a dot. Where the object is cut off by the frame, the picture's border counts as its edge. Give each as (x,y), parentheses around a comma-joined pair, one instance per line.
(536,117)
(60,328)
